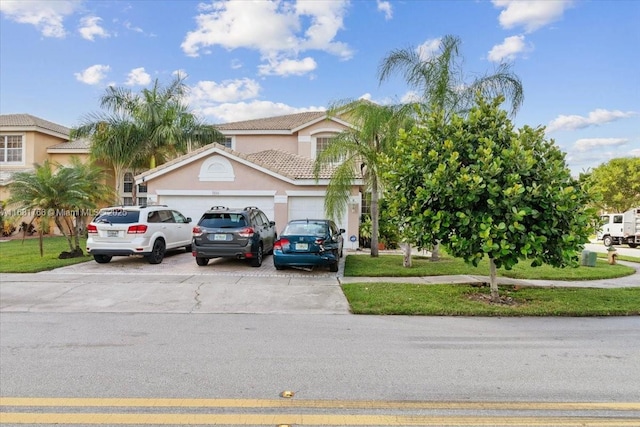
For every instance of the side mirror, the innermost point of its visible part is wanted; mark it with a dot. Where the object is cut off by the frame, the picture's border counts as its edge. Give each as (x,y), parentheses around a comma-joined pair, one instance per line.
(189,220)
(342,230)
(272,223)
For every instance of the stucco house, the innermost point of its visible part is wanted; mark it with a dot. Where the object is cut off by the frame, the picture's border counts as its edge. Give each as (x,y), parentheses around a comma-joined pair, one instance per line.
(26,140)
(266,163)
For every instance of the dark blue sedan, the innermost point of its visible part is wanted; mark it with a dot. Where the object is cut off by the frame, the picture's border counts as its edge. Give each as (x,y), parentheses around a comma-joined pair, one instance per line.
(309,243)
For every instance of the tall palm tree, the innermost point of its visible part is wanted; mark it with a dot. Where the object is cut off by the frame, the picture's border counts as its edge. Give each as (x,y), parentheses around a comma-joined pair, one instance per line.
(359,152)
(154,124)
(61,193)
(440,83)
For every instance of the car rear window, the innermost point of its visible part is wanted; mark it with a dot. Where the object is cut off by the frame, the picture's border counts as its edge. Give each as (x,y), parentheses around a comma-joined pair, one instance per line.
(222,220)
(118,216)
(305,229)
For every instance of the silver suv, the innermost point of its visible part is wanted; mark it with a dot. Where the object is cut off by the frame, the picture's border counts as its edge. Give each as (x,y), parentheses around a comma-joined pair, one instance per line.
(137,230)
(244,233)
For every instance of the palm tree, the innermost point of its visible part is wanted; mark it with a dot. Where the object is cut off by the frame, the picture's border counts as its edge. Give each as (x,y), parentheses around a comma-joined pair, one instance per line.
(440,84)
(63,193)
(155,125)
(359,152)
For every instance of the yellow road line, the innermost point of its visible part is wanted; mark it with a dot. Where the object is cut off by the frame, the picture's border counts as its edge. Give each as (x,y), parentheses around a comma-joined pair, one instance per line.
(297,403)
(309,420)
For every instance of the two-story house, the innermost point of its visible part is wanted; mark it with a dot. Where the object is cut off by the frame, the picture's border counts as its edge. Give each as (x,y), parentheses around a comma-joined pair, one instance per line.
(266,163)
(26,140)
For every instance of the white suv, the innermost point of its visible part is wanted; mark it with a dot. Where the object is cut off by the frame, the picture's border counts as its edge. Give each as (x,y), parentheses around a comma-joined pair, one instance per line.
(137,230)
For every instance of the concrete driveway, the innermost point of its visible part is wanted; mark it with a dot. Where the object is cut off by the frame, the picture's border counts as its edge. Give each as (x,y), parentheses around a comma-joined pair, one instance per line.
(177,285)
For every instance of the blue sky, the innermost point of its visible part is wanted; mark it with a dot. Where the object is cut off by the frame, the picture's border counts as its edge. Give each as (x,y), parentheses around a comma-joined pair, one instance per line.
(579,61)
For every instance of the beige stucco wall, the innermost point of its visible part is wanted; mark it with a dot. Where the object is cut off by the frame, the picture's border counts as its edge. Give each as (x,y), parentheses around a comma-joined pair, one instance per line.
(256,143)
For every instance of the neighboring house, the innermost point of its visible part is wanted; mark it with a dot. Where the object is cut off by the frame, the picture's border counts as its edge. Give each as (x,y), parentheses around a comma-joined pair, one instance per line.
(266,163)
(26,140)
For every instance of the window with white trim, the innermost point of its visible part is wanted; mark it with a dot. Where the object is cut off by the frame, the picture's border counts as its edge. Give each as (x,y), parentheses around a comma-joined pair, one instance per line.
(127,183)
(11,149)
(322,142)
(228,142)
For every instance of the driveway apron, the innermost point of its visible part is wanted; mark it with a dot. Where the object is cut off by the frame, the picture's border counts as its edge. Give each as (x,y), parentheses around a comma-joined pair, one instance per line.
(177,285)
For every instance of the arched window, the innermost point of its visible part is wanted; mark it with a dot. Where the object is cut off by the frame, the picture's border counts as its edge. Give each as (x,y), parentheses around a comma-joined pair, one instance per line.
(216,168)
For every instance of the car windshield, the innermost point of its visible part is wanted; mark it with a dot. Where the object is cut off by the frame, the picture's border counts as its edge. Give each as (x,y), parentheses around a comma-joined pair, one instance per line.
(305,229)
(117,216)
(222,220)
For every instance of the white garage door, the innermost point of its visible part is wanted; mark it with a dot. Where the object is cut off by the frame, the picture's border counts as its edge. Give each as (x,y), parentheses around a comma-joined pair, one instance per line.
(311,207)
(195,206)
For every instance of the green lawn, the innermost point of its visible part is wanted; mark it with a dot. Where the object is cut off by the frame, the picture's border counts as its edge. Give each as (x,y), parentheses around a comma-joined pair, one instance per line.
(468,300)
(473,300)
(391,266)
(23,256)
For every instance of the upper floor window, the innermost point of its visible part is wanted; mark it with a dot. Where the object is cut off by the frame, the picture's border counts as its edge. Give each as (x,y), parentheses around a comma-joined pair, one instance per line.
(228,142)
(322,143)
(128,182)
(11,149)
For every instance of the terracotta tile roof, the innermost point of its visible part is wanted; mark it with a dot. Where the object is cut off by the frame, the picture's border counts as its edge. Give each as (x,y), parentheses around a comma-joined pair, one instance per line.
(282,123)
(78,144)
(30,122)
(289,165)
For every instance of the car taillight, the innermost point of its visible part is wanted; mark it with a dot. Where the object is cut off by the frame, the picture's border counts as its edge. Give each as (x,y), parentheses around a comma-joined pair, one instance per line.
(319,242)
(246,232)
(92,229)
(196,232)
(281,245)
(137,229)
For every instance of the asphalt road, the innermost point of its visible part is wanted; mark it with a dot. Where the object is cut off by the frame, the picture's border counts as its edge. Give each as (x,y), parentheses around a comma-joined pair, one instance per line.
(128,343)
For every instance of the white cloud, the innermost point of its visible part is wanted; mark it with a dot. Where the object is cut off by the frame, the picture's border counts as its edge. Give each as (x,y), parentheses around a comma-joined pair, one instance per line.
(93,75)
(532,14)
(273,28)
(386,8)
(90,27)
(587,144)
(224,113)
(46,16)
(508,50)
(138,77)
(595,118)
(205,92)
(287,67)
(428,49)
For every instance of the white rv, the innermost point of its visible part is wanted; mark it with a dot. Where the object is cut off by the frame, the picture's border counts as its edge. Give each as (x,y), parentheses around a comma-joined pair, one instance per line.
(620,228)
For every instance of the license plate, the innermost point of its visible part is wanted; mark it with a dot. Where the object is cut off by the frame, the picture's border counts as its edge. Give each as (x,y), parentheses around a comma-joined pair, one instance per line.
(112,233)
(219,237)
(302,246)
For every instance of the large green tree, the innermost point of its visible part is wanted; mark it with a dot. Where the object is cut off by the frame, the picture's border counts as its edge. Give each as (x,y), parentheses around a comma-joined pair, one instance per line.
(616,183)
(440,83)
(485,189)
(153,126)
(359,152)
(64,193)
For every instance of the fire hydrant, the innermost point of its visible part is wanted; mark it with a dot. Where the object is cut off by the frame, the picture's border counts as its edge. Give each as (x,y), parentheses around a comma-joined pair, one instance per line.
(612,255)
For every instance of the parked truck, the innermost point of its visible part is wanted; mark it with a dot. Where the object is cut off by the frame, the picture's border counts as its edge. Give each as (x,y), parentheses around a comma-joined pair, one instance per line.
(620,228)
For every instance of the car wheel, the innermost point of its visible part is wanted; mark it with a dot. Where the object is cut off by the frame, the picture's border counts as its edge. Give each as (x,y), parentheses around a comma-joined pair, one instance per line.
(256,261)
(633,245)
(102,259)
(188,248)
(333,267)
(157,253)
(607,240)
(202,261)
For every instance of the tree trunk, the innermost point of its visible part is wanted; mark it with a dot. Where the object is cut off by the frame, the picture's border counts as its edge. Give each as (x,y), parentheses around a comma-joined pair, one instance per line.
(435,252)
(493,281)
(375,219)
(67,236)
(406,260)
